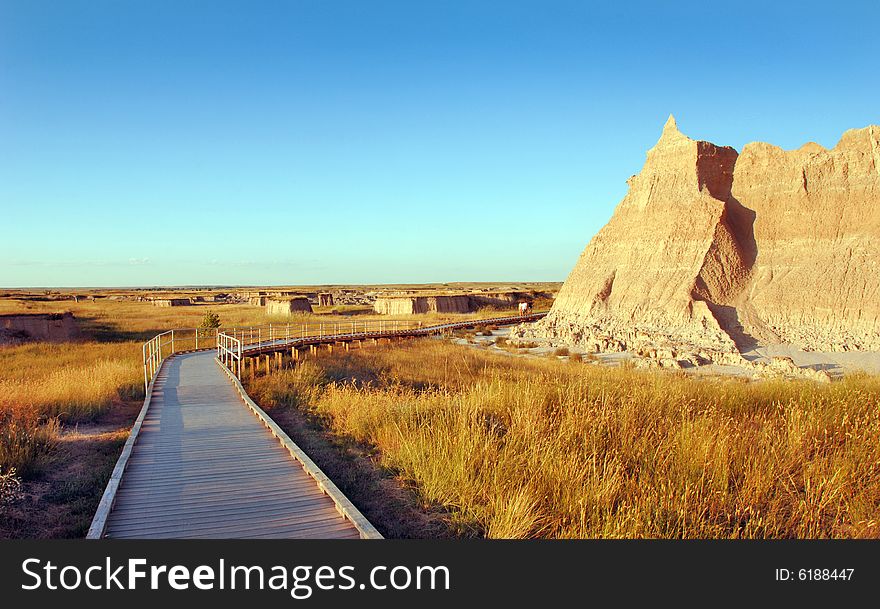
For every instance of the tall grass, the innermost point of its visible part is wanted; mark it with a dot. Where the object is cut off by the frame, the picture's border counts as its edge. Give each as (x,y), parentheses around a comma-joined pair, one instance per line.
(545,448)
(43,385)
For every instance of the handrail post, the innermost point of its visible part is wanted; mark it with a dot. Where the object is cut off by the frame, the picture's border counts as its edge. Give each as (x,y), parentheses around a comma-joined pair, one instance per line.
(144,353)
(172,342)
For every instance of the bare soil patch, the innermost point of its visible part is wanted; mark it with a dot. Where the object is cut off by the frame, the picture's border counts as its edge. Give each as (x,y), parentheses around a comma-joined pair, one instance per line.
(59,501)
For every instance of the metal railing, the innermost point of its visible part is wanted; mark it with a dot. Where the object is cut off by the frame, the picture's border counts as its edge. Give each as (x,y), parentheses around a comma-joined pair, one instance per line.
(152,350)
(233,343)
(172,341)
(245,341)
(229,352)
(269,334)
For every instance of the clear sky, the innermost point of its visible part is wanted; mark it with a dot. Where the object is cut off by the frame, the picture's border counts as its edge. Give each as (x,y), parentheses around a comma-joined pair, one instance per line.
(313,141)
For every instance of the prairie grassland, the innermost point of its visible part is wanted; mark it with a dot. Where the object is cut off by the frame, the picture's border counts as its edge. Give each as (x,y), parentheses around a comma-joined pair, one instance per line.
(65,409)
(109,320)
(516,448)
(44,385)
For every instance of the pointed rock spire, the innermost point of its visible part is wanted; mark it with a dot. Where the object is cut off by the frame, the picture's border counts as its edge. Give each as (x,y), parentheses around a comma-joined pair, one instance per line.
(670,128)
(671,136)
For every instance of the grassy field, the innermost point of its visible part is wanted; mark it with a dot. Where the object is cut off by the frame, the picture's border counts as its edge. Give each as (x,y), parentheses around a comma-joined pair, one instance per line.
(65,411)
(118,321)
(512,448)
(65,408)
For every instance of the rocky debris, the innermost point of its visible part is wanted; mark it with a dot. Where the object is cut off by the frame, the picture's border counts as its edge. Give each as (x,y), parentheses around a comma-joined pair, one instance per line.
(349,297)
(712,253)
(784,367)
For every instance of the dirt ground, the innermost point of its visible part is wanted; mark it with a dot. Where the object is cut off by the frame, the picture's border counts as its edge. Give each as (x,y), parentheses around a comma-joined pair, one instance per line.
(60,500)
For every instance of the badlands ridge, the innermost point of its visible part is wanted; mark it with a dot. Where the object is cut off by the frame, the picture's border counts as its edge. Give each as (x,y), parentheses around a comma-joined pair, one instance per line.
(713,253)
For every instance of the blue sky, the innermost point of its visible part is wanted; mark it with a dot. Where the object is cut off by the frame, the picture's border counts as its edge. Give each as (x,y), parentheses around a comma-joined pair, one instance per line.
(170,143)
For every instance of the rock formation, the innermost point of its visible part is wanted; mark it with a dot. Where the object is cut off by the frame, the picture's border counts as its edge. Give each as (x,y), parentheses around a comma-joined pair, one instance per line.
(51,327)
(816,279)
(410,305)
(172,302)
(719,251)
(288,306)
(325,299)
(504,299)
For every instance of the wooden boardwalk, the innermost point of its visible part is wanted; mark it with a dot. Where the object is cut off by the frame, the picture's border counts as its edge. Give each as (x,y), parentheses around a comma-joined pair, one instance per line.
(204,461)
(204,466)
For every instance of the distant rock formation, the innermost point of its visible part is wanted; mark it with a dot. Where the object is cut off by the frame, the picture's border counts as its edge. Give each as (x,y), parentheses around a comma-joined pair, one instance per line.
(410,305)
(172,302)
(720,251)
(505,300)
(16,328)
(288,306)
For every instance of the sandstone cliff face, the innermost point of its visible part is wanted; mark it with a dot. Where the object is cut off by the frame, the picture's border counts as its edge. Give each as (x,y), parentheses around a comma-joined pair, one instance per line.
(816,280)
(409,305)
(721,251)
(288,306)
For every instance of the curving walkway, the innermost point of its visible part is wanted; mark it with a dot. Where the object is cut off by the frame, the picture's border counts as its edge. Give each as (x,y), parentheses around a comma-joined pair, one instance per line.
(204,461)
(205,466)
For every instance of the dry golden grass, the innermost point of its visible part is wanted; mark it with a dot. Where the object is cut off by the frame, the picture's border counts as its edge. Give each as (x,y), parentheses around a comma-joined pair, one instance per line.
(43,384)
(546,448)
(75,381)
(46,389)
